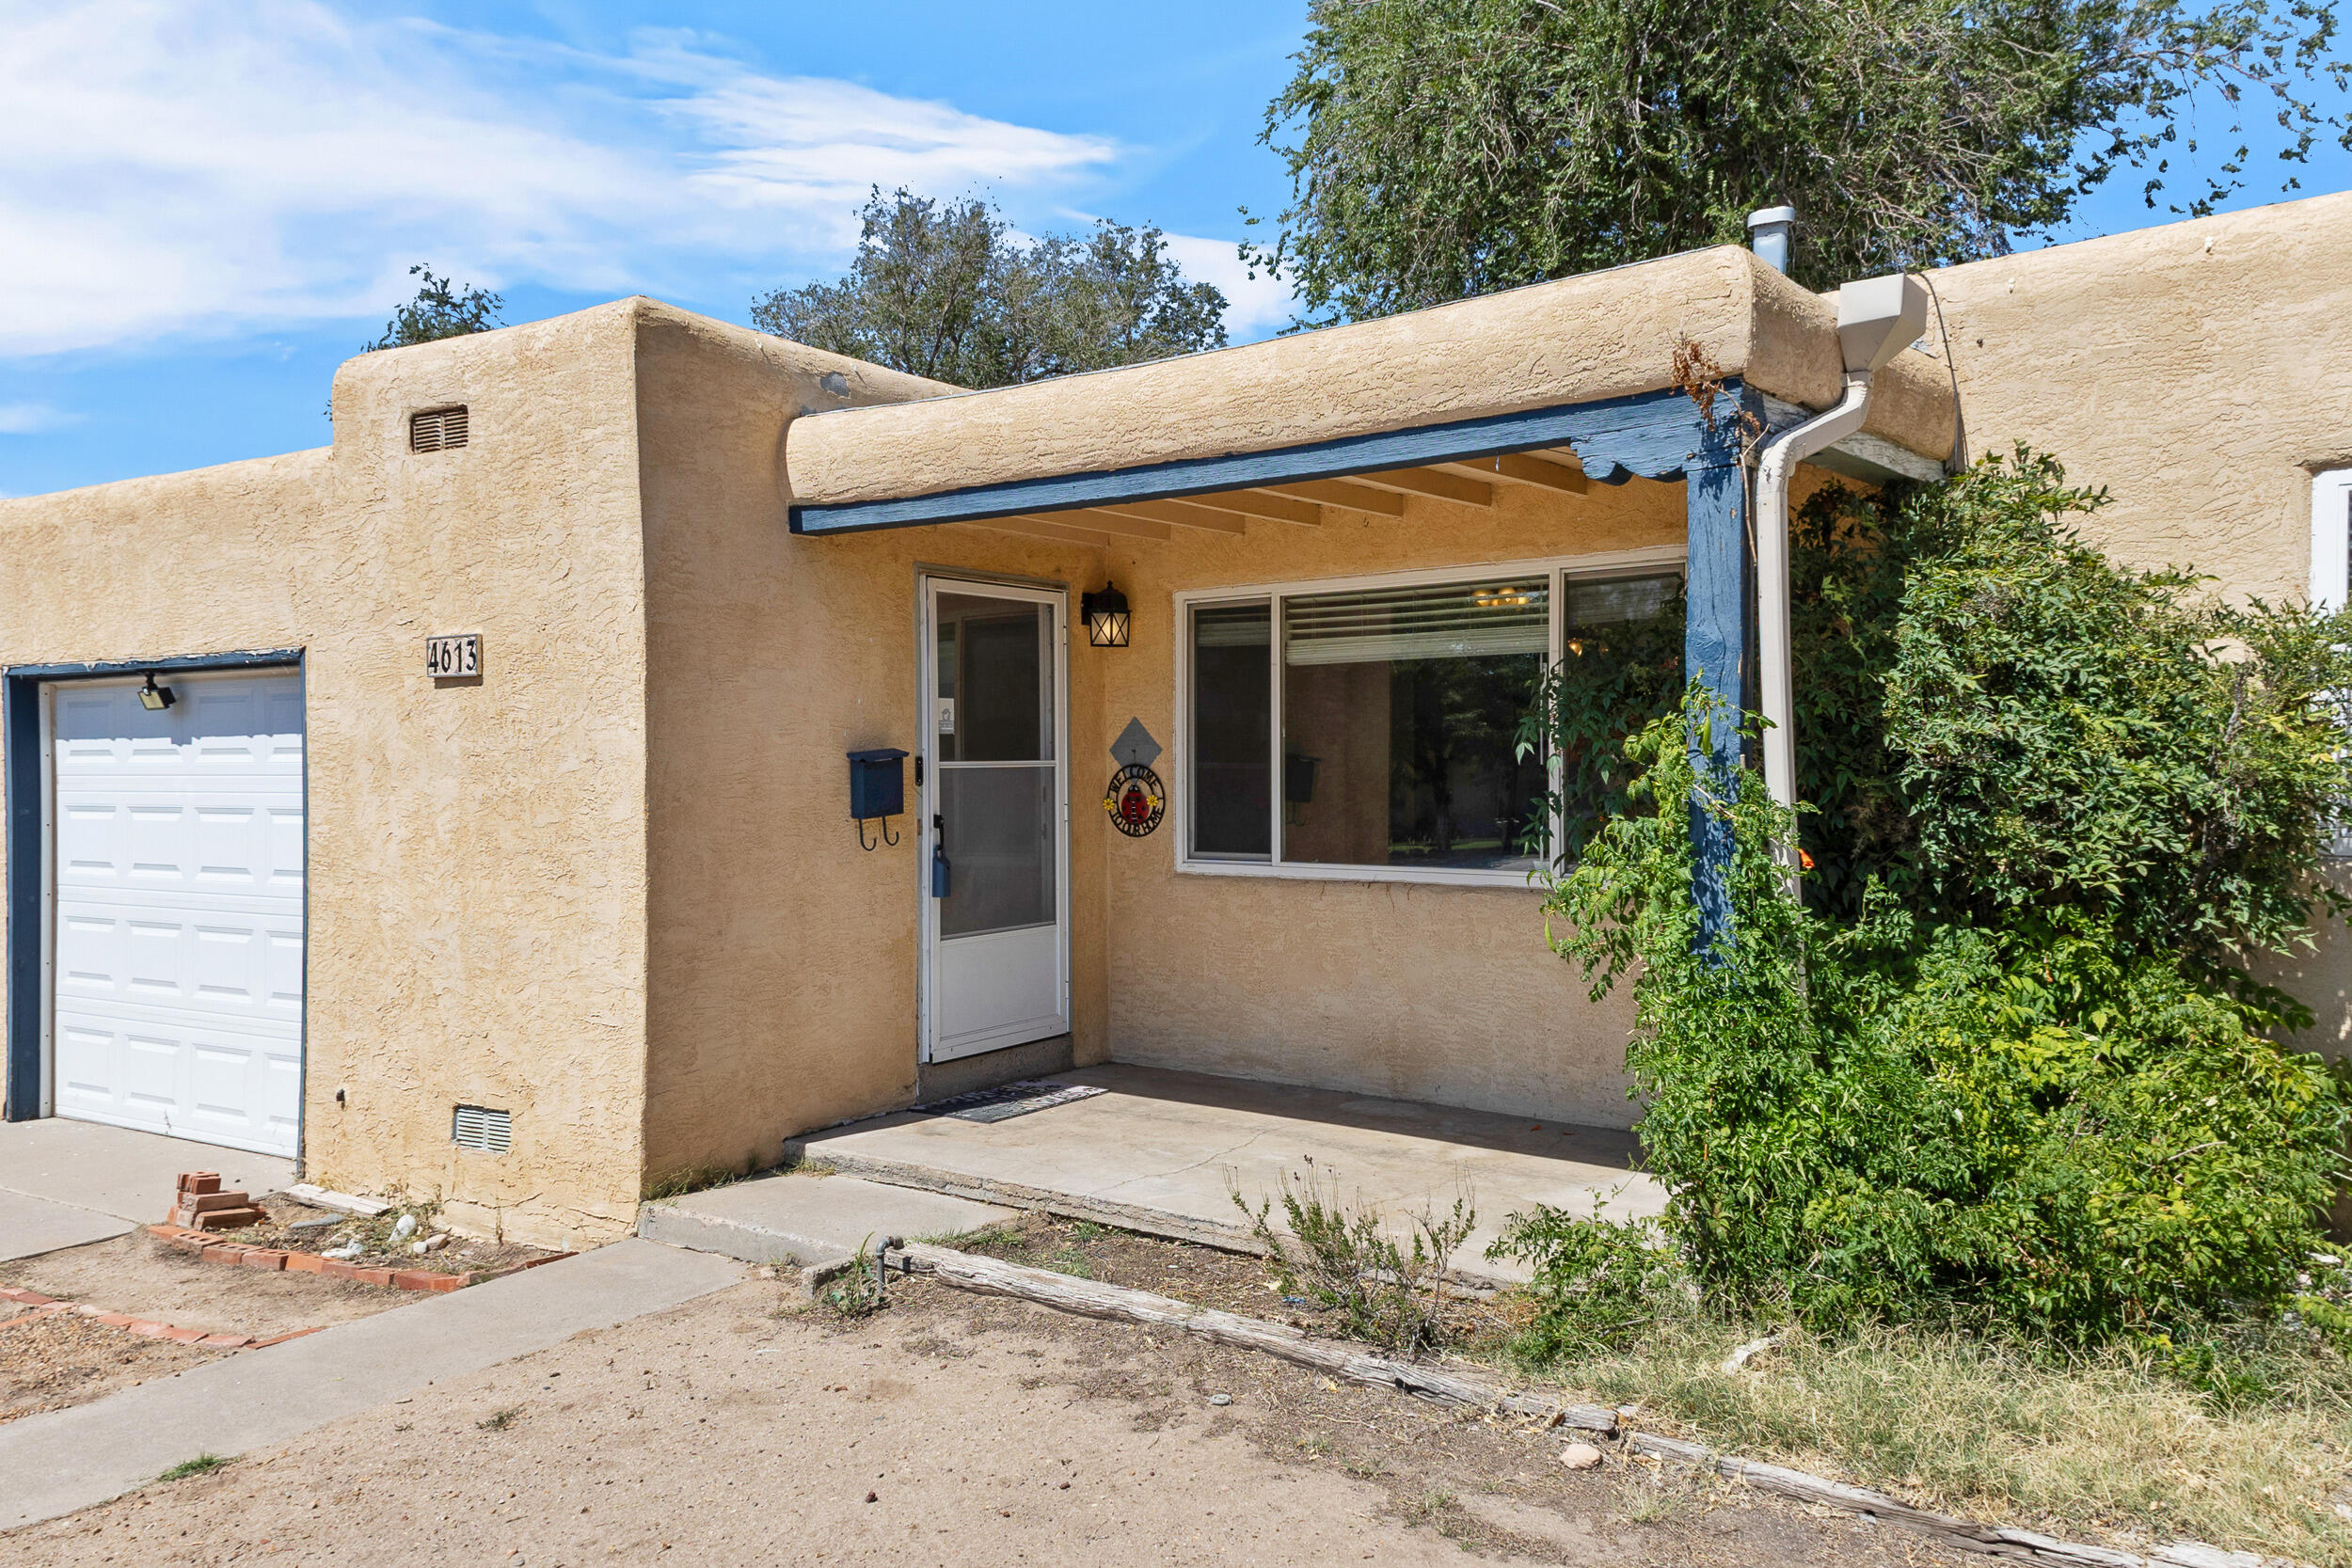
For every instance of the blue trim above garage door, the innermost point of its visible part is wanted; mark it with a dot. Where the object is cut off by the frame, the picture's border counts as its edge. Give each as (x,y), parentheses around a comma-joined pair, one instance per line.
(20,732)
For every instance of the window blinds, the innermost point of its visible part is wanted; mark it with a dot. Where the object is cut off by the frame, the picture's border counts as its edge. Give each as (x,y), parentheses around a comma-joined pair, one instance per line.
(1454,619)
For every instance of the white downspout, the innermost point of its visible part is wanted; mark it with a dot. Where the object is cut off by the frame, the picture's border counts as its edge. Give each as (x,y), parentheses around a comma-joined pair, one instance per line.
(1876,320)
(1782,453)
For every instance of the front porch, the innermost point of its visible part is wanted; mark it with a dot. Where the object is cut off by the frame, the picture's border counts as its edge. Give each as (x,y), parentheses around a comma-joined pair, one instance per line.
(1159,1151)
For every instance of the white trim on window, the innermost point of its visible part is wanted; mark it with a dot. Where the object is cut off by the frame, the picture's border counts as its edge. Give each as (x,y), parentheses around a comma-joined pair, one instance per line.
(2331,539)
(1178,782)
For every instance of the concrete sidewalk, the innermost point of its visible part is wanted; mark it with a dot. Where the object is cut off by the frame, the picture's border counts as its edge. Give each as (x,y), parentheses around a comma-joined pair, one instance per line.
(70,1459)
(807,1221)
(1156,1151)
(63,1182)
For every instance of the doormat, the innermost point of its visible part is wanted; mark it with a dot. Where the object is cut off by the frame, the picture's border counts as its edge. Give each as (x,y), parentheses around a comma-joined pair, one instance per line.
(1007,1101)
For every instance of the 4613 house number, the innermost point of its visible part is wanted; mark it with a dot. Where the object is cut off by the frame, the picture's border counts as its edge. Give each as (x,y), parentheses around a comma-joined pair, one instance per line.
(447,657)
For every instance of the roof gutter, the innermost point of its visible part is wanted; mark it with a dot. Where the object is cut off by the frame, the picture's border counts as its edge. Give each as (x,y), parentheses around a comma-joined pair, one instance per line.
(1876,320)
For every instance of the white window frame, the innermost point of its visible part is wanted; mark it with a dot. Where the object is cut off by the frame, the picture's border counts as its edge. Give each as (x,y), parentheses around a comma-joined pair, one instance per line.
(1604,563)
(2331,539)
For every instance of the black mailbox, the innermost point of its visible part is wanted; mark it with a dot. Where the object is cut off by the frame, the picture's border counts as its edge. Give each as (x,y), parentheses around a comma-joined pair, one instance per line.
(878,787)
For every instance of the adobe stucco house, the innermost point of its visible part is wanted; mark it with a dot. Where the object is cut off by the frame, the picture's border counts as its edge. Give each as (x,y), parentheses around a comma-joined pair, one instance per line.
(607,883)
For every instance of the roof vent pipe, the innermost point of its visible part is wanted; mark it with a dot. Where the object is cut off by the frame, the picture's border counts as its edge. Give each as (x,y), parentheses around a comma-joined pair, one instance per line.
(1876,320)
(1768,229)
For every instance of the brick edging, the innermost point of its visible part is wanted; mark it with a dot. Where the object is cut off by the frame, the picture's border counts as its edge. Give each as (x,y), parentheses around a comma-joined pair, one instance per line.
(43,1306)
(213,1249)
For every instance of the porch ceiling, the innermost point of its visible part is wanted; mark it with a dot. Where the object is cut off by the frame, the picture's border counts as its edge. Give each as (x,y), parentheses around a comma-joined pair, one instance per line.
(1556,386)
(1303,503)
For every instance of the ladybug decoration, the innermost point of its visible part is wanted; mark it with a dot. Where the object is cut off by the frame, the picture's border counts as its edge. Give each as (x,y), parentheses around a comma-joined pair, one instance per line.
(1136,800)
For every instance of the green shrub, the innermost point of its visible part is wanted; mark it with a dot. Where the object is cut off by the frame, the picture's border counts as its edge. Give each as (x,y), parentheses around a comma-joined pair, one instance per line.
(1891,1119)
(1597,1280)
(2008,1066)
(1341,1257)
(1993,718)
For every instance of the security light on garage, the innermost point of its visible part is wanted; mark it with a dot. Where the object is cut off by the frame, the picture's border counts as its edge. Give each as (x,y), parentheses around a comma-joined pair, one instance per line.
(1106,617)
(154,698)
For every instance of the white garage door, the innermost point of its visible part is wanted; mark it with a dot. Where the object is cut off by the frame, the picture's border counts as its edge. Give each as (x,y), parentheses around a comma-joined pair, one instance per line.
(177,920)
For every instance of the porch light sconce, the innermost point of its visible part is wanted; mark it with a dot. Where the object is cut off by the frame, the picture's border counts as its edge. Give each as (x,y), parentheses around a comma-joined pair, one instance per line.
(154,698)
(1106,617)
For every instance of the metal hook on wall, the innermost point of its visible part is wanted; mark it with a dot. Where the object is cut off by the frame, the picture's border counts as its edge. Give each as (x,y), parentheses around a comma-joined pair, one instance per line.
(887,836)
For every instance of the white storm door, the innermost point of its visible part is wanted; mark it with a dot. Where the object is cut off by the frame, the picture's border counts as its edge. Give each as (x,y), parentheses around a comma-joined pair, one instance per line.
(177,920)
(995,816)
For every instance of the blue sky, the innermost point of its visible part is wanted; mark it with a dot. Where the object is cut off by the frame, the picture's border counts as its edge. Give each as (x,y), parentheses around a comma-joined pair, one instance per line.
(208,207)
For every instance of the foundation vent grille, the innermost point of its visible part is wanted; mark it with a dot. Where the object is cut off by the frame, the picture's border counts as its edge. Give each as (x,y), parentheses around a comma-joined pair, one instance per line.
(491,1132)
(436,430)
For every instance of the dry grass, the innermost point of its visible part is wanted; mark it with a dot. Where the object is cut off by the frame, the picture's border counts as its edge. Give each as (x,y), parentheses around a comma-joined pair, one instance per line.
(2111,1445)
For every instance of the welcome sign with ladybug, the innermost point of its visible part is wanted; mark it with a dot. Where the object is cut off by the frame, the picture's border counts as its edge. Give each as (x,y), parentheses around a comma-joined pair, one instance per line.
(1136,800)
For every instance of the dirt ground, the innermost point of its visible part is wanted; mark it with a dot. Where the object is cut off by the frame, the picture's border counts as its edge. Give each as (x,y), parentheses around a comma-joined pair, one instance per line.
(947,1429)
(1202,1276)
(293,1227)
(144,1276)
(50,1360)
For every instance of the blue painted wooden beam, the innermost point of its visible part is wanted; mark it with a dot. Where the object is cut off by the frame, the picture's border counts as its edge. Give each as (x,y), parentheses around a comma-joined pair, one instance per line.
(1719,637)
(1648,435)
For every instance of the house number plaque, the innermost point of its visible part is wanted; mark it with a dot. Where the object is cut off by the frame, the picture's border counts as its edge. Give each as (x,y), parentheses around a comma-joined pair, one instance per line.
(447,657)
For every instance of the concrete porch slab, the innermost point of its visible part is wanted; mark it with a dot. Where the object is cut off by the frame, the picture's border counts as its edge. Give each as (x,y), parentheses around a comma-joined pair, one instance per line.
(807,1220)
(65,1182)
(1156,1153)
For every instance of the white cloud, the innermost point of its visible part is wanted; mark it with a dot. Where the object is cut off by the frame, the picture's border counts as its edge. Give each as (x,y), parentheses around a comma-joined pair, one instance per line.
(1256,307)
(177,169)
(31,418)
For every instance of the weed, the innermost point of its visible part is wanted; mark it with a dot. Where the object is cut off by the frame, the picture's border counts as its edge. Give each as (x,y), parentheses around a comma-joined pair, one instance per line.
(1997,1429)
(203,1463)
(499,1421)
(853,1294)
(692,1178)
(1345,1260)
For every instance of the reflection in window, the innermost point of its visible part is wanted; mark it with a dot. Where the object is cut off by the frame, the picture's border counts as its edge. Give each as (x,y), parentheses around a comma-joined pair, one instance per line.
(1233,706)
(1400,716)
(1410,716)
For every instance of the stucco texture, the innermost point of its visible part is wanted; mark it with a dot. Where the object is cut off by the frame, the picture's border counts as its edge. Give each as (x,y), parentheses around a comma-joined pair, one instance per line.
(1601,334)
(783,971)
(2201,372)
(1406,990)
(785,983)
(476,880)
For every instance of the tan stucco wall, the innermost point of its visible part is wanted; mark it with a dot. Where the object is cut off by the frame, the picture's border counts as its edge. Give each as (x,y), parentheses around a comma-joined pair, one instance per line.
(2201,372)
(783,970)
(783,958)
(1601,334)
(1413,992)
(476,884)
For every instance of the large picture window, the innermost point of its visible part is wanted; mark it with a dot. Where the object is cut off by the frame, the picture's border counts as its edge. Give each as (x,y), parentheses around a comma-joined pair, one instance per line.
(1376,728)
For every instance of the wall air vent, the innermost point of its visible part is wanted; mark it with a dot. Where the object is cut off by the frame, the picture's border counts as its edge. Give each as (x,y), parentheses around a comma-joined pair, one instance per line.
(436,430)
(491,1132)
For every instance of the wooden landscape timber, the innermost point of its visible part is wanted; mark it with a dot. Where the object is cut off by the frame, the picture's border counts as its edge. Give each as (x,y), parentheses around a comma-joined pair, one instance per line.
(1089,1298)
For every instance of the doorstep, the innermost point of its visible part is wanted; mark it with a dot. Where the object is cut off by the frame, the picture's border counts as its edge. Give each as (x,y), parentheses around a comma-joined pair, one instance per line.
(1156,1150)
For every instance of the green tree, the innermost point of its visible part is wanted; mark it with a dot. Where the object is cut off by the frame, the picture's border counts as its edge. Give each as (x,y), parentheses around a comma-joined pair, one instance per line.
(440,309)
(1439,148)
(945,290)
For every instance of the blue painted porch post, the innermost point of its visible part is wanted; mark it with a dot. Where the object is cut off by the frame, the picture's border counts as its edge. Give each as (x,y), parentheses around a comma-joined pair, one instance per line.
(1716,639)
